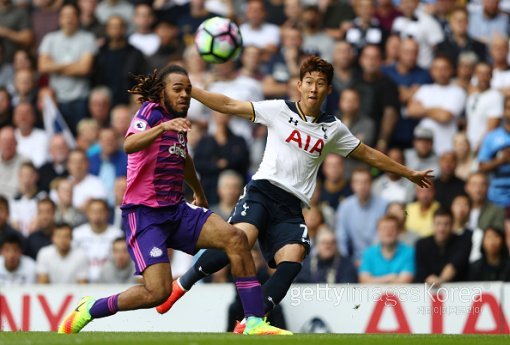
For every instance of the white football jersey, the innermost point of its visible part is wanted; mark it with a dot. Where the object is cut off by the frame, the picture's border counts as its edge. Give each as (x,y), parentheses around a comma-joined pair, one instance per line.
(296,146)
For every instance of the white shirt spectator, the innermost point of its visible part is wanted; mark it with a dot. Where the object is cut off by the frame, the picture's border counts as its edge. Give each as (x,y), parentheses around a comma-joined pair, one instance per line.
(241,87)
(267,34)
(24,274)
(481,107)
(33,146)
(148,44)
(425,30)
(9,180)
(90,187)
(500,79)
(449,97)
(401,190)
(96,246)
(62,270)
(24,212)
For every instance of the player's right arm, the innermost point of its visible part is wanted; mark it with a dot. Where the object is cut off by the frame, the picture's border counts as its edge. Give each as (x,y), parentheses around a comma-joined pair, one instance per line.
(141,140)
(224,104)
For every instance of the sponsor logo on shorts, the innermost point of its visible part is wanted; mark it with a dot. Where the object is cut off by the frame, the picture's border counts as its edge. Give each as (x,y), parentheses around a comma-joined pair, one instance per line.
(246,207)
(156,252)
(140,126)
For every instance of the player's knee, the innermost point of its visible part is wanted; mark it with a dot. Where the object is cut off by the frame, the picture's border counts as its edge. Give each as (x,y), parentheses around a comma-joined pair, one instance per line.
(237,240)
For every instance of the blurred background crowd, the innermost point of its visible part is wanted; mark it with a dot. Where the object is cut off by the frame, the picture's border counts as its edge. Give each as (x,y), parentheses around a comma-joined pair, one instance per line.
(428,83)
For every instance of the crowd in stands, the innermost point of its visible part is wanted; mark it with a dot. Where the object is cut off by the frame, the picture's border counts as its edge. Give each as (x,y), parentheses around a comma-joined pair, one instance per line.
(427,83)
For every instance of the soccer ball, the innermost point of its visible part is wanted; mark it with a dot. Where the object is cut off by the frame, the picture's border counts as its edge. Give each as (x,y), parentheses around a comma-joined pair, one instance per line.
(218,40)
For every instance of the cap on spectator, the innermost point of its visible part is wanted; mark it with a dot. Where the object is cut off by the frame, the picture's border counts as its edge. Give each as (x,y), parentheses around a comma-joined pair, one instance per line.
(423,133)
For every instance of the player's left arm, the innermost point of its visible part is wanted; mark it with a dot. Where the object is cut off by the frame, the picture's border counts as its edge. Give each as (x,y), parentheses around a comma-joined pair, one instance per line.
(191,179)
(380,161)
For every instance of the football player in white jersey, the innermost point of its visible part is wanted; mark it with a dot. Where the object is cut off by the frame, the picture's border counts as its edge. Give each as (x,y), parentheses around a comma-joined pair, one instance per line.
(270,209)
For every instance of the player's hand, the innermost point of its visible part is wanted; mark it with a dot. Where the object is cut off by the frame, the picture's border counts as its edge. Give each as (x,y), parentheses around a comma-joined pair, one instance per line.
(178,125)
(200,200)
(422,178)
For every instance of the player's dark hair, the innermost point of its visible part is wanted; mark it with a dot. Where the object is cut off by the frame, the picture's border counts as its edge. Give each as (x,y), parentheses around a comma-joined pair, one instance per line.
(150,87)
(316,64)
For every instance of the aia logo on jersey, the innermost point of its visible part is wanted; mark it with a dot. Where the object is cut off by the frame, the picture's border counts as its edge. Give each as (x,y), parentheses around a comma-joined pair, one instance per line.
(306,142)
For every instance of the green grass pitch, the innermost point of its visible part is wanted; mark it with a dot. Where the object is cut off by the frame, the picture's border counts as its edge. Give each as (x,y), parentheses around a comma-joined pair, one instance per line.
(110,338)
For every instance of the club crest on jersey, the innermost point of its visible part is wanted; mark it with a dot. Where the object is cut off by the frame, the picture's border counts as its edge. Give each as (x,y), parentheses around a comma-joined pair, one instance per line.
(140,126)
(291,120)
(306,142)
(325,130)
(177,150)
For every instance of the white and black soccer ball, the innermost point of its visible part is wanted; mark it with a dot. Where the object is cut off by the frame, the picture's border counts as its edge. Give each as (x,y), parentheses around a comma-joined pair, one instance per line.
(218,40)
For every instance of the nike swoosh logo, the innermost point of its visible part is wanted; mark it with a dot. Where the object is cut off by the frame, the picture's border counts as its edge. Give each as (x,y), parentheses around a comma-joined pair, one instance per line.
(78,307)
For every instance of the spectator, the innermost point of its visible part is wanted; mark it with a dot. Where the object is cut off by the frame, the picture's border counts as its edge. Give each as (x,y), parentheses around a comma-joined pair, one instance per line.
(337,16)
(344,75)
(250,63)
(144,38)
(65,212)
(448,185)
(45,224)
(227,82)
(461,210)
(386,13)
(85,185)
(398,210)
(119,269)
(67,56)
(88,134)
(443,256)
(391,49)
(56,166)
(60,263)
(327,265)
(230,186)
(215,153)
(488,21)
(494,158)
(194,13)
(314,39)
(88,19)
(96,237)
(422,156)
(379,95)
(200,77)
(500,67)
(362,126)
(284,64)
(116,59)
(357,216)
(315,222)
(484,213)
(408,77)
(439,105)
(110,163)
(390,261)
(422,27)
(365,27)
(293,11)
(392,187)
(32,142)
(24,89)
(44,18)
(171,46)
(100,100)
(465,69)
(5,228)
(24,204)
(257,32)
(115,212)
(120,120)
(5,106)
(420,213)
(10,162)
(458,40)
(14,28)
(494,265)
(466,162)
(15,268)
(335,187)
(110,8)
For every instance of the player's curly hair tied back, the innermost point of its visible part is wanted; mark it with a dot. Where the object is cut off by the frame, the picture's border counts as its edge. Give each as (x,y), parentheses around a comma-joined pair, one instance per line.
(150,87)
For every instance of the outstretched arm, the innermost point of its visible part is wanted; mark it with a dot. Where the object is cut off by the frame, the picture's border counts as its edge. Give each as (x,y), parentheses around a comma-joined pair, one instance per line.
(381,161)
(223,104)
(191,179)
(139,141)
